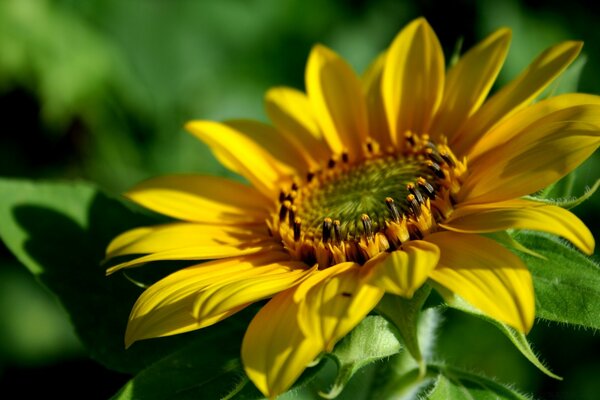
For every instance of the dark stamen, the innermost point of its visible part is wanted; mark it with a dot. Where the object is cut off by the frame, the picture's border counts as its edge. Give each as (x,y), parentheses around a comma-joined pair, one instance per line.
(297,226)
(331,163)
(436,169)
(327,225)
(294,186)
(414,205)
(345,157)
(337,230)
(448,158)
(367,225)
(291,215)
(281,196)
(284,210)
(369,146)
(426,187)
(434,156)
(389,202)
(310,176)
(415,192)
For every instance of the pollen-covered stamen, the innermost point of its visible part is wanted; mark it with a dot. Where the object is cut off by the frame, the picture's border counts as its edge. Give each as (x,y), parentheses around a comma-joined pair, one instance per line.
(354,209)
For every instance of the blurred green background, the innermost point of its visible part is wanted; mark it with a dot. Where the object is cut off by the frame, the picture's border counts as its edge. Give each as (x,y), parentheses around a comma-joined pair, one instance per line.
(99,90)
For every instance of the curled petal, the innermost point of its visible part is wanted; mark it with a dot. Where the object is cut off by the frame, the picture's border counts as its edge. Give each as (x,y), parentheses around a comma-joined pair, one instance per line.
(333,301)
(522,214)
(403,271)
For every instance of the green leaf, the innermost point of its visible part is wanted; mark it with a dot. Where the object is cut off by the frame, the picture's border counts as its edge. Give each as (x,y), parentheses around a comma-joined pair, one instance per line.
(373,339)
(455,384)
(567,283)
(59,231)
(404,314)
(193,372)
(518,339)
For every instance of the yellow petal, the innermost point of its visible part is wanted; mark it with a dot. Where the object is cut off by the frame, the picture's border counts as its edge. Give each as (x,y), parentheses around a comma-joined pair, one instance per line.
(256,284)
(292,114)
(486,275)
(378,124)
(403,271)
(208,252)
(413,79)
(334,301)
(165,308)
(469,81)
(166,237)
(517,94)
(206,199)
(522,214)
(275,351)
(250,160)
(337,101)
(542,153)
(520,123)
(289,156)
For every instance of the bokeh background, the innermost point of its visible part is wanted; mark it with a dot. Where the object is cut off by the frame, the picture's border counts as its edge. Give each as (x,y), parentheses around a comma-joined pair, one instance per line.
(99,90)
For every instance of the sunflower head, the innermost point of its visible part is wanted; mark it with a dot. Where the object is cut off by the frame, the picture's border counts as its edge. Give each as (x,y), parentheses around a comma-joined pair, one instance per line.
(364,186)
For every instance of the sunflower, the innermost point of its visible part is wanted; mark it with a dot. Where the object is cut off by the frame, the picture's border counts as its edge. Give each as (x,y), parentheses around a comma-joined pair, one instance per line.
(364,186)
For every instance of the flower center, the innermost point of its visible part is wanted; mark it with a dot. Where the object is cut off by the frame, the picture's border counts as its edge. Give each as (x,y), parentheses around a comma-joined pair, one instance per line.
(354,211)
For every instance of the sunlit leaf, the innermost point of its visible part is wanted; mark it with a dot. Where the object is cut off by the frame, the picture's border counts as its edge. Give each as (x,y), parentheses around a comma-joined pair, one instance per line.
(567,283)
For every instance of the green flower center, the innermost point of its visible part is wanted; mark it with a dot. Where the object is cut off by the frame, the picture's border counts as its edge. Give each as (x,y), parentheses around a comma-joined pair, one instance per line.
(354,211)
(361,189)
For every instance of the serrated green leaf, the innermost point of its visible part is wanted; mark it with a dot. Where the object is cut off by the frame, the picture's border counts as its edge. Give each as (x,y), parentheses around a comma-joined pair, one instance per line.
(59,231)
(567,283)
(404,314)
(373,339)
(518,339)
(460,385)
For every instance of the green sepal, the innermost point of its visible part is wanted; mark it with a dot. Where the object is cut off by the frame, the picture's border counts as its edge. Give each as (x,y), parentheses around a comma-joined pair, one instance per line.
(456,384)
(401,377)
(565,201)
(404,314)
(372,340)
